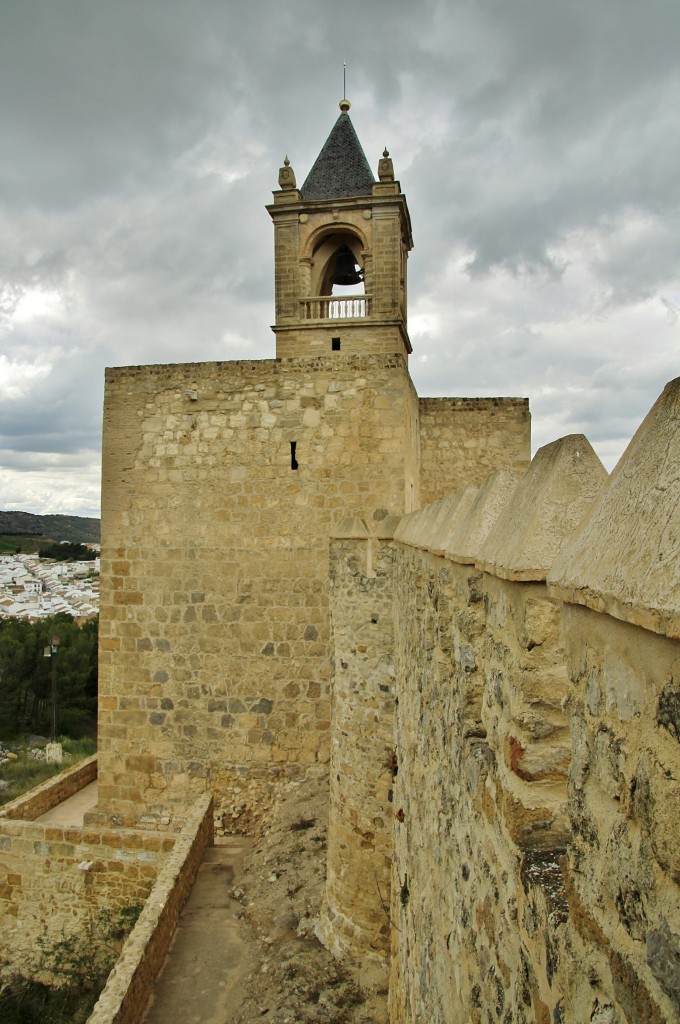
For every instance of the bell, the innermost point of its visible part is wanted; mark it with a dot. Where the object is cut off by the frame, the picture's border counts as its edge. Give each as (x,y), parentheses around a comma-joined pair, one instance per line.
(345,271)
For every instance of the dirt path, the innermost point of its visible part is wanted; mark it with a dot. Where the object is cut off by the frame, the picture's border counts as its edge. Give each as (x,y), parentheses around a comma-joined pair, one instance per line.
(202,981)
(245,949)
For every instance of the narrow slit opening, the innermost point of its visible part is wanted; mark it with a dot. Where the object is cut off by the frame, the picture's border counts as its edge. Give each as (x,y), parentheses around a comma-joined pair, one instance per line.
(293,460)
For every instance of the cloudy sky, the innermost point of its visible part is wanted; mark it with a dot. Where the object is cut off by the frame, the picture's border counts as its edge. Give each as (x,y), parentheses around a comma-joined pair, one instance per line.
(537,142)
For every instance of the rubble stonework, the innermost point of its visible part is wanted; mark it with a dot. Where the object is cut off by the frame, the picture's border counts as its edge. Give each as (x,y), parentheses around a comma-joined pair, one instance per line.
(535,873)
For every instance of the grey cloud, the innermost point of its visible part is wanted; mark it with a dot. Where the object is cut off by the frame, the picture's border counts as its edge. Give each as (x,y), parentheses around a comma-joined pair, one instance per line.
(537,145)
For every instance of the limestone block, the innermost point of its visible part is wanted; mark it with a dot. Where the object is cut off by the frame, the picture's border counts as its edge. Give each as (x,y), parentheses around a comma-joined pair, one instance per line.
(464,544)
(454,510)
(550,502)
(625,560)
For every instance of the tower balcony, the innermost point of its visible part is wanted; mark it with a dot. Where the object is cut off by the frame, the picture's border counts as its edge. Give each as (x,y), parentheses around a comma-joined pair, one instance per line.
(335,307)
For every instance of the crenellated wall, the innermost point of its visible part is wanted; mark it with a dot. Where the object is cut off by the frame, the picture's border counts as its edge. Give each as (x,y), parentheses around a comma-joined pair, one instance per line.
(532,817)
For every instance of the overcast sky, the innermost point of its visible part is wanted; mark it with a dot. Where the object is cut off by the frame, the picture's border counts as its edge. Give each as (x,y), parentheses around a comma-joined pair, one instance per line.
(537,143)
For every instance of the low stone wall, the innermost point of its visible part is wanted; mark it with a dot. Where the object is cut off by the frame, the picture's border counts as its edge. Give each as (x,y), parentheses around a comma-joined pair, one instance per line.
(67,886)
(54,791)
(129,987)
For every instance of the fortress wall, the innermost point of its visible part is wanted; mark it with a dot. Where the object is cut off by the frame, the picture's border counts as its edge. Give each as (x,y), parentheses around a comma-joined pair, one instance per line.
(214,663)
(69,885)
(535,868)
(521,891)
(618,581)
(623,867)
(482,745)
(355,914)
(464,439)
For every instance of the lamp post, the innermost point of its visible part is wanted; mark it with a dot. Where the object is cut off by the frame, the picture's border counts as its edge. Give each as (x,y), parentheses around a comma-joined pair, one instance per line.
(51,652)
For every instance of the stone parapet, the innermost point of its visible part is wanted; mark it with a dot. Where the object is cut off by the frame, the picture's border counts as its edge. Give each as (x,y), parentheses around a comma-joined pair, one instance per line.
(51,793)
(535,873)
(625,561)
(127,992)
(66,884)
(536,760)
(559,489)
(469,534)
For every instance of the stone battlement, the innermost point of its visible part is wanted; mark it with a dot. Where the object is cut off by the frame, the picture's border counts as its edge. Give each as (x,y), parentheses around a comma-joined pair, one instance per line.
(518,728)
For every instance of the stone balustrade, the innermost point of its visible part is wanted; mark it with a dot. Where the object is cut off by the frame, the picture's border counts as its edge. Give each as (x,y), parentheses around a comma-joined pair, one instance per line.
(335,307)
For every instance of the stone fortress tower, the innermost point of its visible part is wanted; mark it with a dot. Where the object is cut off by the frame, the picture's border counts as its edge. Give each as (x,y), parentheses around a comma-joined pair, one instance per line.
(222,483)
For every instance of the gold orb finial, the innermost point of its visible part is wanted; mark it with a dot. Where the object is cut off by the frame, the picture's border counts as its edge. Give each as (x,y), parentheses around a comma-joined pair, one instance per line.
(344,105)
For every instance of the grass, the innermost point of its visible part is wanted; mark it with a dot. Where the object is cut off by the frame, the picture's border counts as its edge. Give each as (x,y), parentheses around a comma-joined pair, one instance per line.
(25,773)
(26,543)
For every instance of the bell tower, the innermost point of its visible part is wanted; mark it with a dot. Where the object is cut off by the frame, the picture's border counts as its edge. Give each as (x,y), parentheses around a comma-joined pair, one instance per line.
(341,244)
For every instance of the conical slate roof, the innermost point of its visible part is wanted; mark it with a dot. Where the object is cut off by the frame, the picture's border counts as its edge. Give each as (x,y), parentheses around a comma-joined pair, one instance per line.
(341,168)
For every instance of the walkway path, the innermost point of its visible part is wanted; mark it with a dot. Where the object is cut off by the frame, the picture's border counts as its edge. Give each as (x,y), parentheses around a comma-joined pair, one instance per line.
(69,813)
(202,980)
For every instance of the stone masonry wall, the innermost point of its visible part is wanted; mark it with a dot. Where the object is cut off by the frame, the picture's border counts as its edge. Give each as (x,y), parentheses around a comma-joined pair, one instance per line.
(214,653)
(52,792)
(535,874)
(129,987)
(479,796)
(355,914)
(67,884)
(463,439)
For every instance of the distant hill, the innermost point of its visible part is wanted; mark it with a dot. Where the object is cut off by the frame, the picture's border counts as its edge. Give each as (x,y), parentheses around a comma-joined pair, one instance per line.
(73,528)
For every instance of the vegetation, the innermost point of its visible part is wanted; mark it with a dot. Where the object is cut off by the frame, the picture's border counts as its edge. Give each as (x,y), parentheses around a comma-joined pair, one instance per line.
(26,676)
(27,772)
(22,543)
(68,551)
(75,528)
(81,962)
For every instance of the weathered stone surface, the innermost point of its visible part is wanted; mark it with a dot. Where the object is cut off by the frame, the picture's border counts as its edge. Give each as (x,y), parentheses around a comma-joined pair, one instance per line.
(663,956)
(550,502)
(625,562)
(466,541)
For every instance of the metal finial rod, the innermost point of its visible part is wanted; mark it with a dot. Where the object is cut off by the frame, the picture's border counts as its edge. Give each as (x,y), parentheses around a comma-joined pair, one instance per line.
(344,80)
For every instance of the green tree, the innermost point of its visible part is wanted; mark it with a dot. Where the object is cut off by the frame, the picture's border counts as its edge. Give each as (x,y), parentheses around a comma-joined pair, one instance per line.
(25,676)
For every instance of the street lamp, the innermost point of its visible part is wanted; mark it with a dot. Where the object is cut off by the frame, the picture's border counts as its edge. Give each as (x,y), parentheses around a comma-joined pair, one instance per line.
(51,652)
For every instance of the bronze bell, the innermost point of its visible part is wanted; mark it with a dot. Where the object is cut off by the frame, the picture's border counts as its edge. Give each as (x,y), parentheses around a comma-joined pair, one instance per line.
(345,270)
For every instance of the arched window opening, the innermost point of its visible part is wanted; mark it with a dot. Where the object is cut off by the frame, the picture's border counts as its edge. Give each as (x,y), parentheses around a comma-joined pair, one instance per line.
(338,265)
(345,275)
(338,277)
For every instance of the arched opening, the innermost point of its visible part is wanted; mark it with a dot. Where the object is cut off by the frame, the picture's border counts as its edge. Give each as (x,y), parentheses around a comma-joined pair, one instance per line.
(338,265)
(337,277)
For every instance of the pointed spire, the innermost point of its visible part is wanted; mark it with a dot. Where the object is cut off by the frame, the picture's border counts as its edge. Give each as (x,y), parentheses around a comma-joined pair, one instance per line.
(341,168)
